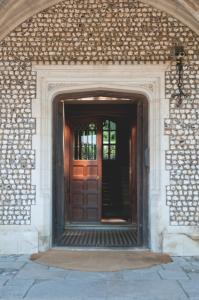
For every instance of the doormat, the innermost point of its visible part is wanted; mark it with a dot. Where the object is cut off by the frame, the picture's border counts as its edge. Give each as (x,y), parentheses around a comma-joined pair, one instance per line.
(123,237)
(100,261)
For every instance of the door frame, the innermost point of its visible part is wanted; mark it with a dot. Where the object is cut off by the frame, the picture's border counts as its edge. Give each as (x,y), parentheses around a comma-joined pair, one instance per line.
(142,169)
(75,114)
(141,81)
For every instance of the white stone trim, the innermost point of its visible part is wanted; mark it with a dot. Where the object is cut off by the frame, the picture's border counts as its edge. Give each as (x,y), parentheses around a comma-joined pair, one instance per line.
(18,239)
(147,80)
(14,14)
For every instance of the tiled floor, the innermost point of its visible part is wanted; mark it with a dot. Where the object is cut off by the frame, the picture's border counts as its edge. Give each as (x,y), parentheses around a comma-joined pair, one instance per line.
(21,278)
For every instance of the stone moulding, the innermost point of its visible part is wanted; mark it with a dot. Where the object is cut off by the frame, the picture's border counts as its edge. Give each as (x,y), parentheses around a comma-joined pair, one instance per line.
(13,13)
(146,80)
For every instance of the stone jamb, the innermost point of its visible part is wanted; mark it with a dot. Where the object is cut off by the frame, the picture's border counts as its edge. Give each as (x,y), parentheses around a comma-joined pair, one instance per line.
(147,80)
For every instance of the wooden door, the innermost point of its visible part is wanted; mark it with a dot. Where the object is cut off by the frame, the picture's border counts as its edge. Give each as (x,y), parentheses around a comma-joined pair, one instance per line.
(111,173)
(142,166)
(133,167)
(85,172)
(58,171)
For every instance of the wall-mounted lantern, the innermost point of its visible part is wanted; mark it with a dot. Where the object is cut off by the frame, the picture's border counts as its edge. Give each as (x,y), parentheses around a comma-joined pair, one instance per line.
(178,54)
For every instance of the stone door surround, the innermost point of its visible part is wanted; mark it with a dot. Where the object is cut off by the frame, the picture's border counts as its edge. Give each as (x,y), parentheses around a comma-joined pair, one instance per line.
(144,80)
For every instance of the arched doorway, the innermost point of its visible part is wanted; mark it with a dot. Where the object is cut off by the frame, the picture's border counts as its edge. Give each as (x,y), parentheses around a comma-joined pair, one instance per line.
(100,167)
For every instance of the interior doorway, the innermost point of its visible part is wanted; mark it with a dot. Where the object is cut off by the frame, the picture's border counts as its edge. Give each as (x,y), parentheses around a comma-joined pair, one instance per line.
(99,184)
(103,181)
(116,199)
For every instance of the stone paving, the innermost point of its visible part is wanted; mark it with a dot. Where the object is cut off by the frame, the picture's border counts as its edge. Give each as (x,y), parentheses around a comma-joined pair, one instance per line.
(21,278)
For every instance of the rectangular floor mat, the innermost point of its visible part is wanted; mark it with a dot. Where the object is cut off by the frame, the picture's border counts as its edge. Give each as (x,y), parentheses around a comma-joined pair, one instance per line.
(99,238)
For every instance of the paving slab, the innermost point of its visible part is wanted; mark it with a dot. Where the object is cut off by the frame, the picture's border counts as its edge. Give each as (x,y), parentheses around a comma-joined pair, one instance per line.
(15,288)
(21,278)
(8,258)
(3,280)
(145,289)
(191,287)
(195,265)
(146,274)
(194,258)
(111,276)
(8,273)
(175,266)
(191,268)
(194,276)
(38,271)
(68,289)
(133,297)
(78,275)
(16,265)
(24,257)
(180,259)
(179,263)
(173,274)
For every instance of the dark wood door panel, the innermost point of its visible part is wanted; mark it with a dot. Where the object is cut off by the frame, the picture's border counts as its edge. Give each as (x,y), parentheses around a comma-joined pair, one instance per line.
(78,171)
(91,200)
(92,214)
(77,214)
(58,171)
(85,179)
(78,199)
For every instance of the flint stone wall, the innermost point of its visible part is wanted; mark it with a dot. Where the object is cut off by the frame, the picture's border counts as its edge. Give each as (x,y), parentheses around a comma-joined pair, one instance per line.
(96,32)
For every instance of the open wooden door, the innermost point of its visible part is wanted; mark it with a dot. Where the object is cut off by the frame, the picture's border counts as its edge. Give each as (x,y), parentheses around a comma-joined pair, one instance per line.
(142,167)
(58,171)
(85,172)
(133,168)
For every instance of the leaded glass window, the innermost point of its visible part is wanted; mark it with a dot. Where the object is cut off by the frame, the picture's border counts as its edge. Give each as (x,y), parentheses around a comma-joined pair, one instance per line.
(84,147)
(109,140)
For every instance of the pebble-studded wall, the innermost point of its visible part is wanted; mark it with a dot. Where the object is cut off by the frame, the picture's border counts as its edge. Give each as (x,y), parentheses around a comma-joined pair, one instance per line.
(92,31)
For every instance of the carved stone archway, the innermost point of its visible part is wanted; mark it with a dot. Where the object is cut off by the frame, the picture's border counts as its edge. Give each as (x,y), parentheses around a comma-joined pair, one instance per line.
(13,13)
(147,80)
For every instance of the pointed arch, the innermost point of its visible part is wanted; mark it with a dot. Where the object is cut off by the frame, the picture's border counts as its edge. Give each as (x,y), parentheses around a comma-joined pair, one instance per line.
(13,13)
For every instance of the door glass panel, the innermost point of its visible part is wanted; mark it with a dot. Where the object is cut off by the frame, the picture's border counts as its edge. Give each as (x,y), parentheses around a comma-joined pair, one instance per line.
(113,137)
(105,137)
(112,151)
(109,140)
(112,125)
(106,125)
(84,146)
(105,152)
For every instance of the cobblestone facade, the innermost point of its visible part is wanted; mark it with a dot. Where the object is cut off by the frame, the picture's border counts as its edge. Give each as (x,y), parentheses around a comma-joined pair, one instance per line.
(182,159)
(92,31)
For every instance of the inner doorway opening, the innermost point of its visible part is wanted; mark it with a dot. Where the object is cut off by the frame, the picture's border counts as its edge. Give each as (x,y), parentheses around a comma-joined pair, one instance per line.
(101,163)
(116,202)
(101,143)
